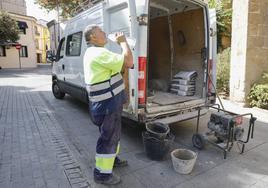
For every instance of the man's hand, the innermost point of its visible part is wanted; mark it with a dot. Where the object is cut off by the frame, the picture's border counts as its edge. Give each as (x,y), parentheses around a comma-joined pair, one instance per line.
(126,52)
(120,37)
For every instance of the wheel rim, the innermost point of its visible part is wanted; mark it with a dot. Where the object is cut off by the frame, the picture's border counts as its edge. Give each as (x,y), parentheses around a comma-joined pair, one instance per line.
(197,142)
(56,89)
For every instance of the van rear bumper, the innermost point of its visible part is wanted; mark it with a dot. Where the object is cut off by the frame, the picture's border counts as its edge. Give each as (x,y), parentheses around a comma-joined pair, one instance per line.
(181,117)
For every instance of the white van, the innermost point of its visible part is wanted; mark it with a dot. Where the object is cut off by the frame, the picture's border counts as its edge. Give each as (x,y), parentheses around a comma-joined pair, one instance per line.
(171,36)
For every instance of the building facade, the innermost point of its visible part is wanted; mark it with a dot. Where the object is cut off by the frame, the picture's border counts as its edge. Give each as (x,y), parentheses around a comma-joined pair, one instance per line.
(13,6)
(56,31)
(10,57)
(42,41)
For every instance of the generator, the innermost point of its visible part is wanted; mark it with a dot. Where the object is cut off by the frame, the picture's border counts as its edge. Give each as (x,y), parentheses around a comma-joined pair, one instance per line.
(225,128)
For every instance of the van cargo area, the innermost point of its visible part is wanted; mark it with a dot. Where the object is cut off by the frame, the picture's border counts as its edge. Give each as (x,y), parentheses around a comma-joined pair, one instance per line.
(177,39)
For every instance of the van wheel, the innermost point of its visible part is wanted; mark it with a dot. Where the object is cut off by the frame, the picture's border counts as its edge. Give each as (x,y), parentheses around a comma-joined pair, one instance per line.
(56,91)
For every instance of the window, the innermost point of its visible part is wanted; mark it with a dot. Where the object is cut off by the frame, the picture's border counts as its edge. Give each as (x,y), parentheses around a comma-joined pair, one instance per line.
(22,27)
(23,51)
(22,31)
(62,48)
(36,31)
(2,51)
(74,44)
(37,44)
(60,51)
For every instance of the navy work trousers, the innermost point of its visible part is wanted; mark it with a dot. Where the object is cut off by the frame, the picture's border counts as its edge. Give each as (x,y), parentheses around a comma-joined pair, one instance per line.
(110,132)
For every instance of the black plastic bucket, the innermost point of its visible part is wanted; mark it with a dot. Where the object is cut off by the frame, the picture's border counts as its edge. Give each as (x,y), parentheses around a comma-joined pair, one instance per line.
(158,130)
(157,149)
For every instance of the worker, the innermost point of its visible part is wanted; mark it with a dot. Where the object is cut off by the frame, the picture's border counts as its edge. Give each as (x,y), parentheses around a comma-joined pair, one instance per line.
(105,87)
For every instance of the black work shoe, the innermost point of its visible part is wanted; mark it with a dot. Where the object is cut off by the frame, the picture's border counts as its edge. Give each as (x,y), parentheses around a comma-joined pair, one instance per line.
(120,162)
(113,180)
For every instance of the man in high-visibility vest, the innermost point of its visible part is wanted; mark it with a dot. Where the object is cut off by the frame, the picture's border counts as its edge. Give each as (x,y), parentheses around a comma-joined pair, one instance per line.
(105,88)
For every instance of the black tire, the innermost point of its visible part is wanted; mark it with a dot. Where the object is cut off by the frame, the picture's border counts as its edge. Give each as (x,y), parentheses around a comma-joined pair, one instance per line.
(198,141)
(58,94)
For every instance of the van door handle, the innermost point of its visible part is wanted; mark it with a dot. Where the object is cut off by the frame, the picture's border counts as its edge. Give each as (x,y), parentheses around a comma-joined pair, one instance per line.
(63,67)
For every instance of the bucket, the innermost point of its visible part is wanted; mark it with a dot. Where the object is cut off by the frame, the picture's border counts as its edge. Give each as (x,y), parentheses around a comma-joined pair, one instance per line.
(157,149)
(158,130)
(183,160)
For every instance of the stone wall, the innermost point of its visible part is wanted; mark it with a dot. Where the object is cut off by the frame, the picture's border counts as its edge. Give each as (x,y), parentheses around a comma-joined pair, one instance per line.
(13,6)
(257,46)
(239,50)
(249,57)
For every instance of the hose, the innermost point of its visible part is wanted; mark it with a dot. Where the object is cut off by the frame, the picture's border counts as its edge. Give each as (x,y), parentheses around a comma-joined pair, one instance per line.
(218,97)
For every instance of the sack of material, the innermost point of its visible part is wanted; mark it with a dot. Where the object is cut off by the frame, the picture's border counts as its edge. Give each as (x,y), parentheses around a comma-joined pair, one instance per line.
(190,76)
(183,87)
(183,83)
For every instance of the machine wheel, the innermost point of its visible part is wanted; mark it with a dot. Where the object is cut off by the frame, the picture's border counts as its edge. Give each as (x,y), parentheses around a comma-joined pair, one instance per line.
(56,91)
(198,141)
(238,134)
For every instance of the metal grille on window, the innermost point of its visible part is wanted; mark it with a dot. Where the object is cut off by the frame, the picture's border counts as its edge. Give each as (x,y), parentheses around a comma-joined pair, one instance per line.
(23,51)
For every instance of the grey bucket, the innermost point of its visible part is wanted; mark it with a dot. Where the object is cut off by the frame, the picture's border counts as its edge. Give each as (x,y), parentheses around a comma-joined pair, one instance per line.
(158,130)
(183,160)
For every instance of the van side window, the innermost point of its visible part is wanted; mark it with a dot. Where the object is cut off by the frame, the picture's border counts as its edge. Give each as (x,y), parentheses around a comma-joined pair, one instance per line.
(60,51)
(74,44)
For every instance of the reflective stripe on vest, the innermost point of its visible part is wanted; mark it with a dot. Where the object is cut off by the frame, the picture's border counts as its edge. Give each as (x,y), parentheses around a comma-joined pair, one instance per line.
(119,89)
(99,87)
(107,89)
(101,97)
(116,78)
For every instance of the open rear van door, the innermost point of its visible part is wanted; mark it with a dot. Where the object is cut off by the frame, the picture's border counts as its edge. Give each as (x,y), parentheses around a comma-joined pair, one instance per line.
(120,15)
(212,50)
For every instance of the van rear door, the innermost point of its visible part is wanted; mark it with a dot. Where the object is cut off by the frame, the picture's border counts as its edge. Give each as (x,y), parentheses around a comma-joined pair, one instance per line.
(212,51)
(120,15)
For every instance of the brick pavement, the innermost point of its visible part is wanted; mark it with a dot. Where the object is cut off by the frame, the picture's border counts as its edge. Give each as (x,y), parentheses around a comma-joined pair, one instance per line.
(33,152)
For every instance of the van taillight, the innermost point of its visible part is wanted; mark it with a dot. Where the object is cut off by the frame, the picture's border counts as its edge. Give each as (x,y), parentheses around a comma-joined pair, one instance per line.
(210,64)
(142,80)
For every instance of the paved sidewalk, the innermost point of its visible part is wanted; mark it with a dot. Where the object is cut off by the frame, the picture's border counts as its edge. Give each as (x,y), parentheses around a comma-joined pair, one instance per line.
(33,151)
(261,114)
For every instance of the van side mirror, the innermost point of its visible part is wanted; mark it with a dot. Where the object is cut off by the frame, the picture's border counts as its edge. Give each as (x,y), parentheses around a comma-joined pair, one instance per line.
(50,57)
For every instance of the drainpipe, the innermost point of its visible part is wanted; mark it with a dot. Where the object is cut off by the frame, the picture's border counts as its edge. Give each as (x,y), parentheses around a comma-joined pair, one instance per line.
(58,21)
(55,38)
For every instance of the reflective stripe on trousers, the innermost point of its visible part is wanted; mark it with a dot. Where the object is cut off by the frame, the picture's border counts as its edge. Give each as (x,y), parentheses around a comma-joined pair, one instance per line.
(105,90)
(105,162)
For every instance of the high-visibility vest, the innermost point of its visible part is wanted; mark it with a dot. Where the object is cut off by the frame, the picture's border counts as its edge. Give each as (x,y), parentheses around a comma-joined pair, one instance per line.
(104,82)
(100,64)
(107,89)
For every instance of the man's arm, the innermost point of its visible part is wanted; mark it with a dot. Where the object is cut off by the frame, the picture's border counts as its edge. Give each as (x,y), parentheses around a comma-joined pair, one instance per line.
(128,57)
